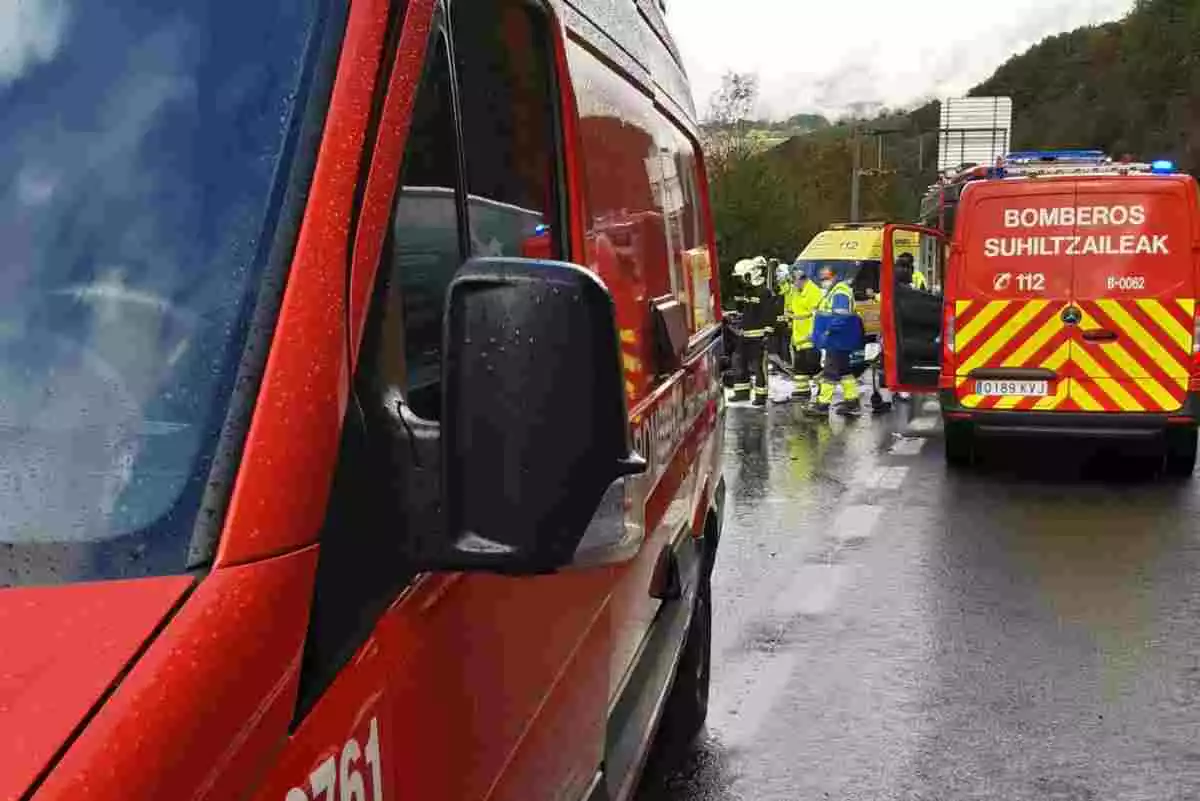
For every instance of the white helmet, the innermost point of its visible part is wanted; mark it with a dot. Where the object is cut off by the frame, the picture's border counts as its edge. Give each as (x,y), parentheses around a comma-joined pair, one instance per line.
(781,273)
(743,266)
(757,276)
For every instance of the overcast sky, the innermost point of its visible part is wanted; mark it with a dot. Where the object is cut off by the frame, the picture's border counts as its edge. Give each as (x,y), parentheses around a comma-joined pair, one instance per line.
(824,55)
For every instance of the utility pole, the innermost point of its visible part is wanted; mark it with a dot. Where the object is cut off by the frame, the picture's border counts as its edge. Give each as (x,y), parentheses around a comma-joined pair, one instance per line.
(857,171)
(855,174)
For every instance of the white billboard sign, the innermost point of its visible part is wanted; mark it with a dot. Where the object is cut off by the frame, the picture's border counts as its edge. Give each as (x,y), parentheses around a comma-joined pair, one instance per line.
(973,130)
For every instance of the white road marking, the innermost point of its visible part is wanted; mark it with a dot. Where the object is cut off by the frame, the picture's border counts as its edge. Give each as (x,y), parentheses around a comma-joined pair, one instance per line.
(923,424)
(907,446)
(737,723)
(870,479)
(894,478)
(885,478)
(813,590)
(856,522)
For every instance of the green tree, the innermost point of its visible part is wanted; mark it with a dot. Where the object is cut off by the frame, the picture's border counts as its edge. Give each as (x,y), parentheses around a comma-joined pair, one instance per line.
(1127,87)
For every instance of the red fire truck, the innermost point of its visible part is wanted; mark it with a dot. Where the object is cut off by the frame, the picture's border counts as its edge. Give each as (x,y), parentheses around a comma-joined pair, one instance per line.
(1069,305)
(346,456)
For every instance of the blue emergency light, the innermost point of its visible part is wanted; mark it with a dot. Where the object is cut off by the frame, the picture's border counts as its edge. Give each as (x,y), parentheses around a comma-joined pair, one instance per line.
(541,229)
(1057,155)
(1162,166)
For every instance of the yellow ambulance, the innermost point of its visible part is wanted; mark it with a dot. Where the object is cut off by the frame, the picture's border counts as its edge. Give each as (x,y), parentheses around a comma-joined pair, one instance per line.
(854,251)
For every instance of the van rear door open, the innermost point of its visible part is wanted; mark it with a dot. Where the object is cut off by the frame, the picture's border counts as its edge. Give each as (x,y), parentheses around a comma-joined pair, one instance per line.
(1134,285)
(911,319)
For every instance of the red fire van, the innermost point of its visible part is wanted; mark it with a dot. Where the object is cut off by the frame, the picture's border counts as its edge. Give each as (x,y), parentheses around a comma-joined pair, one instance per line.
(362,420)
(1069,307)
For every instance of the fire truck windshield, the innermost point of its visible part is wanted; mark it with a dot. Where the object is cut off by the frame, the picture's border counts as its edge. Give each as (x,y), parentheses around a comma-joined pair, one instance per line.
(140,158)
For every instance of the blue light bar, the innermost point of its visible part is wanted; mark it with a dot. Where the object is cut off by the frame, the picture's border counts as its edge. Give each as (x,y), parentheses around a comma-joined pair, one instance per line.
(1162,166)
(1057,155)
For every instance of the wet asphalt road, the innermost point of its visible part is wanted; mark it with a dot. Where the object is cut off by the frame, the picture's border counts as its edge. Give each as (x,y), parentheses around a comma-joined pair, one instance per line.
(887,629)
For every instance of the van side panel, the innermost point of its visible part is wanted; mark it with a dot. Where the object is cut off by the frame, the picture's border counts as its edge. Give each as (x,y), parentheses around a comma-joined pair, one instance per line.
(633,242)
(463,684)
(640,45)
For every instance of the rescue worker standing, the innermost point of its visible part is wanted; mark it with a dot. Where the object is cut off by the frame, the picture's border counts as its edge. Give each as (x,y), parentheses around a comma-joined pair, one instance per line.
(756,327)
(838,330)
(802,302)
(755,307)
(908,274)
(783,333)
(740,390)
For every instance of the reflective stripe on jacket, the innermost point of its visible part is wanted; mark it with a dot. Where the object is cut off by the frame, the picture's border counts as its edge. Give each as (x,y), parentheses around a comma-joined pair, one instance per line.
(802,304)
(836,326)
(838,299)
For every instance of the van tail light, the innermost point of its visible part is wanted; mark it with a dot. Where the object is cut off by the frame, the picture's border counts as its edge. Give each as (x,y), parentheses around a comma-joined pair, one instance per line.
(946,379)
(1194,382)
(947,335)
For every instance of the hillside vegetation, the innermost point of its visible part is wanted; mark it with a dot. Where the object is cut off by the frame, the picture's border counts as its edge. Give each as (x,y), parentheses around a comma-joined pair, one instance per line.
(1131,86)
(1127,87)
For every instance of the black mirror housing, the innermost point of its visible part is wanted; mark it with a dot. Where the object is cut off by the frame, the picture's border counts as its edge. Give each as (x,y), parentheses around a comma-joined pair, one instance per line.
(534,427)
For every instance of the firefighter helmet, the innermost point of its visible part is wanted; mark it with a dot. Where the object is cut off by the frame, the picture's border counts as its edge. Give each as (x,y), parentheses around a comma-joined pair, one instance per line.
(743,267)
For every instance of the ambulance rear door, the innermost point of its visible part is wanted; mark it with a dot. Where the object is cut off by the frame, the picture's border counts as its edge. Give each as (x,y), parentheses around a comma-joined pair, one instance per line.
(1134,288)
(1009,316)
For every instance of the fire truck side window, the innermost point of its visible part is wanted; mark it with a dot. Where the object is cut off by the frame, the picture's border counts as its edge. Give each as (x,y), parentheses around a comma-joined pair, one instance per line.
(424,252)
(506,89)
(362,566)
(635,193)
(694,258)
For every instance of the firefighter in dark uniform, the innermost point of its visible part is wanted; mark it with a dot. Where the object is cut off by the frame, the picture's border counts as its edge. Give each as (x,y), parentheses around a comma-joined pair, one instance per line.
(754,304)
(740,389)
(740,385)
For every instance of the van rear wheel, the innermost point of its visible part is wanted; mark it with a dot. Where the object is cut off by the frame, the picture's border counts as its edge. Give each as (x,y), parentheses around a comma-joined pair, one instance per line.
(960,444)
(1180,453)
(687,705)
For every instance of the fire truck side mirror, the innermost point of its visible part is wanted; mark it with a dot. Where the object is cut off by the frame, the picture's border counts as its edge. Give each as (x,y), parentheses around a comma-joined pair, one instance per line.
(535,433)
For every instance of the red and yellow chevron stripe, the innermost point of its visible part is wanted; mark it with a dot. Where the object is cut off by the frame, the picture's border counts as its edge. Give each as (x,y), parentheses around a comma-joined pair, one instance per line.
(1145,369)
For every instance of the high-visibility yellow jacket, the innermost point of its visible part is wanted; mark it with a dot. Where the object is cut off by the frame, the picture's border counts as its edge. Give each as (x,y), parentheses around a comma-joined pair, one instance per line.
(780,302)
(802,304)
